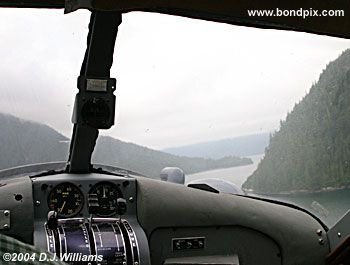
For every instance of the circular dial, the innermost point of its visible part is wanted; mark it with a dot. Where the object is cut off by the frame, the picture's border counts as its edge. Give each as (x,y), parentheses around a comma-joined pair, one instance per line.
(66,199)
(107,195)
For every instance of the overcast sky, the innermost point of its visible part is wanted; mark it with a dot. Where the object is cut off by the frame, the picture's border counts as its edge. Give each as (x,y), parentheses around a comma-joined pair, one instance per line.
(180,81)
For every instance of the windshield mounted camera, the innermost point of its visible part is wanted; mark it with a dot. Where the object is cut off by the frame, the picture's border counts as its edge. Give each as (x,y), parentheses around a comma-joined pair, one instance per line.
(95,103)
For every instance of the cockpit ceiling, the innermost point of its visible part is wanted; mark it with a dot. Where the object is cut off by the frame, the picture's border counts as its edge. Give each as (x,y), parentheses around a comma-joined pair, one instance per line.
(227,11)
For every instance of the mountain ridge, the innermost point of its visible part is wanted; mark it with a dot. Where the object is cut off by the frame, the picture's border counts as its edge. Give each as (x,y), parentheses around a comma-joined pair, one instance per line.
(28,142)
(246,145)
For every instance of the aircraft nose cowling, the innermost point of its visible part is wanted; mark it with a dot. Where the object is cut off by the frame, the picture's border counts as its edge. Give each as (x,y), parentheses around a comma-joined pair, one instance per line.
(219,185)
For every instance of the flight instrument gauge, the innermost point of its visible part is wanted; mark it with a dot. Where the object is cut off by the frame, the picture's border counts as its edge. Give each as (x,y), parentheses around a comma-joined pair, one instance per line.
(107,194)
(66,199)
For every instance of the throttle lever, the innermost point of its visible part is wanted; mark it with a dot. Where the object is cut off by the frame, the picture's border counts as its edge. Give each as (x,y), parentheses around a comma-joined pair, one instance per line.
(52,221)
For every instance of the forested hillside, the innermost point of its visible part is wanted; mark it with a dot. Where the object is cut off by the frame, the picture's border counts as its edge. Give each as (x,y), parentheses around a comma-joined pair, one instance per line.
(151,162)
(24,142)
(311,150)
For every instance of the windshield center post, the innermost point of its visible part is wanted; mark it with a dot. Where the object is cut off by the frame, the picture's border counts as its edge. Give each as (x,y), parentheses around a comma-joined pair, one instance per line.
(94,106)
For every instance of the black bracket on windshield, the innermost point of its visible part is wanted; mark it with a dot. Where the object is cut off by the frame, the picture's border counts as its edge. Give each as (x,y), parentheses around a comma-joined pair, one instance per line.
(94,106)
(95,103)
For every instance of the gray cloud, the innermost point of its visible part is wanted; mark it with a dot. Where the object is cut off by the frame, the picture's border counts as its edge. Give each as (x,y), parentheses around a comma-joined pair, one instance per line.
(179,80)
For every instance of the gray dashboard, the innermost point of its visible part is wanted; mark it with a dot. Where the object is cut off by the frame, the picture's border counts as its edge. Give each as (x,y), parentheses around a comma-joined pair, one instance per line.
(258,232)
(169,223)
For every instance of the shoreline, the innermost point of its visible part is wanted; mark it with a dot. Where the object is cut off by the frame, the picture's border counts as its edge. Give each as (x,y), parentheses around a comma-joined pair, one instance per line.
(296,192)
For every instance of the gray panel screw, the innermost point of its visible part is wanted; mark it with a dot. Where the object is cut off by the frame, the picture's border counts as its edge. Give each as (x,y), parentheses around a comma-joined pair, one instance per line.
(339,234)
(321,241)
(6,226)
(319,232)
(6,213)
(131,199)
(37,203)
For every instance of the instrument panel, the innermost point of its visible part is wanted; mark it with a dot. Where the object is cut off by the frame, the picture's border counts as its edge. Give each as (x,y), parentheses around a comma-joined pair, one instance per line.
(68,200)
(92,214)
(219,226)
(72,195)
(173,225)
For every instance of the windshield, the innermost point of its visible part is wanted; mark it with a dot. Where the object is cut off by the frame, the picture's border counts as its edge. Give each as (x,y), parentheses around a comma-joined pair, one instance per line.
(265,110)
